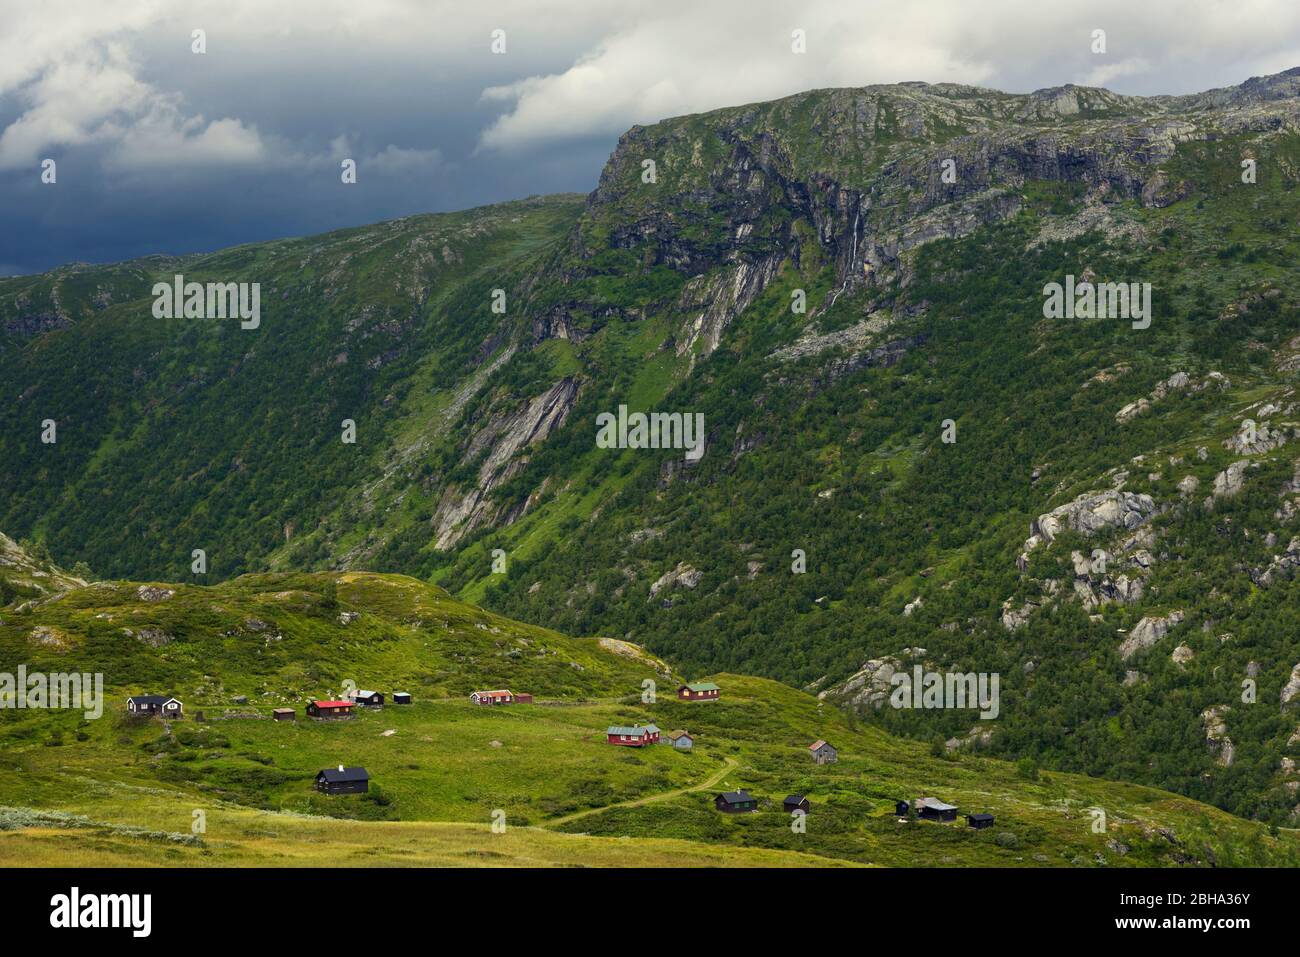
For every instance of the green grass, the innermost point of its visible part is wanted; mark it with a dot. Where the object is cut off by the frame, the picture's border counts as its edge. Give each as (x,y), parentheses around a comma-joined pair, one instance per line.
(449,768)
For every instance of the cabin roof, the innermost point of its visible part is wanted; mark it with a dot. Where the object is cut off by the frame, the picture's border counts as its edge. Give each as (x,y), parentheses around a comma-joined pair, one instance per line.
(935,804)
(736,797)
(332,704)
(702,686)
(795,799)
(819,744)
(980,817)
(150,699)
(636,730)
(680,734)
(343,775)
(366,694)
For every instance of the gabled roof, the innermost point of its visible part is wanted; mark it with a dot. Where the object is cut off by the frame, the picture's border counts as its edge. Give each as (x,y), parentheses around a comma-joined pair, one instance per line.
(701,686)
(819,744)
(795,799)
(680,734)
(365,694)
(736,797)
(332,704)
(499,693)
(148,698)
(934,804)
(636,731)
(282,711)
(343,775)
(980,817)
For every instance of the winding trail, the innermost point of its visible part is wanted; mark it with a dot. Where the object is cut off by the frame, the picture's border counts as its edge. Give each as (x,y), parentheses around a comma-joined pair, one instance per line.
(729,764)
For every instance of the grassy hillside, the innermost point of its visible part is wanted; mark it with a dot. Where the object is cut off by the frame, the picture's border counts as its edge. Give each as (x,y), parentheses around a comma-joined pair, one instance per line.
(444,769)
(827,503)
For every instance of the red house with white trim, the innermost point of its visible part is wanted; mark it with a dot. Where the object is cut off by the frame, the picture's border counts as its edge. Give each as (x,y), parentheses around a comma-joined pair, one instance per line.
(503,696)
(633,737)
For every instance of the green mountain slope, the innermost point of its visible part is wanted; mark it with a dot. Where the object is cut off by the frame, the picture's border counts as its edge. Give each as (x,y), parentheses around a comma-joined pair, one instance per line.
(920,224)
(445,770)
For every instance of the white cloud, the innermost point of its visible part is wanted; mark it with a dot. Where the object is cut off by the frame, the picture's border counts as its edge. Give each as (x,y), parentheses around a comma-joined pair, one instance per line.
(682,56)
(119,77)
(79,84)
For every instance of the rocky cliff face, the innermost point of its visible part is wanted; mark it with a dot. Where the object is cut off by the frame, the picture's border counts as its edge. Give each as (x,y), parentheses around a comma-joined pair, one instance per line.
(869,175)
(25,576)
(501,445)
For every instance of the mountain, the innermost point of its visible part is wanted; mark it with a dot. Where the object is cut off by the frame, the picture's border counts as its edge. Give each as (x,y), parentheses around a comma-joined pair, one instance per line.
(1110,527)
(447,774)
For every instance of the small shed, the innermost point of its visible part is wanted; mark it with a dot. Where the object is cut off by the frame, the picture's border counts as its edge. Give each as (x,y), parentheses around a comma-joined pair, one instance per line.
(795,802)
(979,821)
(932,809)
(823,752)
(699,691)
(284,714)
(523,698)
(329,710)
(368,699)
(735,802)
(681,740)
(401,697)
(343,780)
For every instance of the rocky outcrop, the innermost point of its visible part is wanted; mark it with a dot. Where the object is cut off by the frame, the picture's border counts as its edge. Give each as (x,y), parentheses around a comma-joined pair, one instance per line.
(1176,383)
(1091,513)
(717,299)
(1147,632)
(500,444)
(1282,567)
(870,685)
(35,576)
(1256,441)
(1216,735)
(683,576)
(1291,691)
(1230,481)
(1013,618)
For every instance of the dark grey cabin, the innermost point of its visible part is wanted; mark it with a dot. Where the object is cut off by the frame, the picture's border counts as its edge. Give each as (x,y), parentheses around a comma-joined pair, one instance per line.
(343,780)
(736,802)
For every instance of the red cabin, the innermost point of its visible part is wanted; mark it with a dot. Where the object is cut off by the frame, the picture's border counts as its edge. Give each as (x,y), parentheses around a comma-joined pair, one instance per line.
(633,737)
(700,691)
(329,709)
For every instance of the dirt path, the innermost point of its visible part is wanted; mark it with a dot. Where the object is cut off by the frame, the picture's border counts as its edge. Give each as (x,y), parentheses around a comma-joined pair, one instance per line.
(730,764)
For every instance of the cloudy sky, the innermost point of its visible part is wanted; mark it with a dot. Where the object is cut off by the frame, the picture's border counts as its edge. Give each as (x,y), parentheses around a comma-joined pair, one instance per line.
(162,149)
